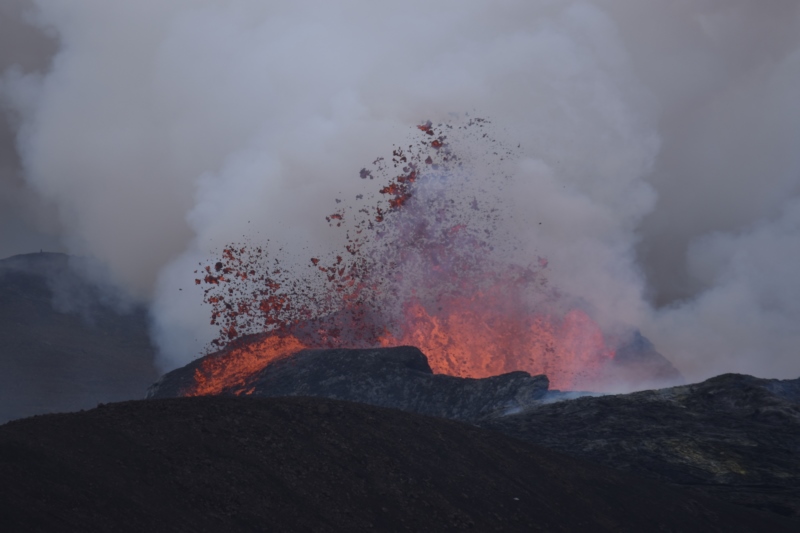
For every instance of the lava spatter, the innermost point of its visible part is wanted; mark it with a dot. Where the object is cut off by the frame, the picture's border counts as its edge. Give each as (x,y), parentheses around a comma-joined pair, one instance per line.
(421,266)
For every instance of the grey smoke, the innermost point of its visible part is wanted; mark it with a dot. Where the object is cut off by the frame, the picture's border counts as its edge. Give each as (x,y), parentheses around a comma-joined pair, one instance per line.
(26,222)
(659,145)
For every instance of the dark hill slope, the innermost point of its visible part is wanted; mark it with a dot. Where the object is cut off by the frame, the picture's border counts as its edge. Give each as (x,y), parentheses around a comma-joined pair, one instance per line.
(63,345)
(304,464)
(734,436)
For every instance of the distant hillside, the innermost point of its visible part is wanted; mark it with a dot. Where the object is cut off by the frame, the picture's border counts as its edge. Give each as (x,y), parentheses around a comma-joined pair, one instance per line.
(63,345)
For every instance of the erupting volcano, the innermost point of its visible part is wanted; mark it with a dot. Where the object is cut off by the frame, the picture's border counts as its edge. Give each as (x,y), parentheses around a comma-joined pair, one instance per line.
(426,261)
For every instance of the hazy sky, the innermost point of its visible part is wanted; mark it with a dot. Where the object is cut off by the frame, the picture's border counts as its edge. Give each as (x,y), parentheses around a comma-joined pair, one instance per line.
(659,144)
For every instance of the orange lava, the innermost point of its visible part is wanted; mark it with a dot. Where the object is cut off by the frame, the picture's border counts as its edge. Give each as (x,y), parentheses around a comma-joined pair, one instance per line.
(230,370)
(473,340)
(421,269)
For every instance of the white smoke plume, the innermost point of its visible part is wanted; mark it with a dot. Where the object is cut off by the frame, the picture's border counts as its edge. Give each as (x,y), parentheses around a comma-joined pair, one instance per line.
(659,171)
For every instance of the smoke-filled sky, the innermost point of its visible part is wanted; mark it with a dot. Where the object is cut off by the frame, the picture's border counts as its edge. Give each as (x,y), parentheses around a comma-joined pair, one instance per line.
(659,145)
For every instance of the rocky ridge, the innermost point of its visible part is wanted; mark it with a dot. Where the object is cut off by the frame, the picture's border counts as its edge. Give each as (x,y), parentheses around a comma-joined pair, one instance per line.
(400,378)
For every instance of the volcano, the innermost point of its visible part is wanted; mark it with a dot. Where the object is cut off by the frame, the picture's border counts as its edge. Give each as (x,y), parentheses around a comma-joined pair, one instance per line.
(400,377)
(428,260)
(388,377)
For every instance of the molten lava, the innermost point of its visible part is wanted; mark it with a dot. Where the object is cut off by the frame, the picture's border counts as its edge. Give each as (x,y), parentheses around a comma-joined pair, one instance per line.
(422,268)
(240,362)
(471,341)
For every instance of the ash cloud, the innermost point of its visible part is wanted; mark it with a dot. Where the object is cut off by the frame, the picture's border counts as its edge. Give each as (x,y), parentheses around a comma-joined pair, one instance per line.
(658,169)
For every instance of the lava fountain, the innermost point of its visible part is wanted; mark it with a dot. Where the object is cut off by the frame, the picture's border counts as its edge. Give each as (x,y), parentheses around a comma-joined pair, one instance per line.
(424,264)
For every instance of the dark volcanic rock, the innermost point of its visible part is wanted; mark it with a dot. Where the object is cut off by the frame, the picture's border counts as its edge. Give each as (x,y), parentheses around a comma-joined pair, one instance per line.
(63,344)
(733,436)
(388,377)
(305,464)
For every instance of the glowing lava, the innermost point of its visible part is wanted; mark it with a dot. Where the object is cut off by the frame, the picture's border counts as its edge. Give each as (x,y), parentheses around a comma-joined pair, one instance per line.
(422,266)
(231,371)
(471,341)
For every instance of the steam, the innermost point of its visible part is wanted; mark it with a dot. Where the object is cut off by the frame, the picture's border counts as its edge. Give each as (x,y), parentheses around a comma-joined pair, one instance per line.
(658,168)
